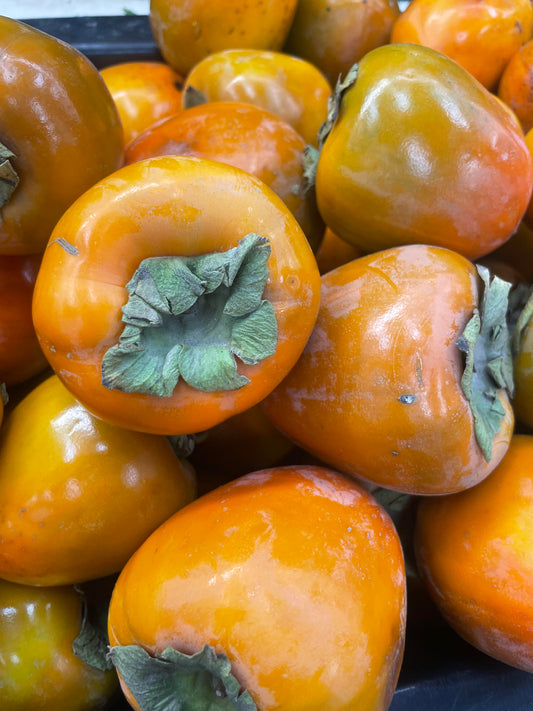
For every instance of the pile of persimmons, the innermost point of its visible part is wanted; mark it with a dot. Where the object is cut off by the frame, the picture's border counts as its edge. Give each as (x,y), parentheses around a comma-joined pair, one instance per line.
(266,349)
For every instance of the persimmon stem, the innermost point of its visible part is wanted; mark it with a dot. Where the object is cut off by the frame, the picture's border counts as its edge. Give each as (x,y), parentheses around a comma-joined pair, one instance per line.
(191,317)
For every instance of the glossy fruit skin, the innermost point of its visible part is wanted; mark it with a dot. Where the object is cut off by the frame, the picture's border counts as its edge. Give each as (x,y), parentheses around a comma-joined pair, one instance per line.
(131,216)
(421,152)
(20,354)
(377,391)
(516,85)
(480,36)
(78,496)
(289,87)
(296,573)
(246,137)
(334,35)
(144,92)
(474,553)
(38,668)
(62,125)
(200,27)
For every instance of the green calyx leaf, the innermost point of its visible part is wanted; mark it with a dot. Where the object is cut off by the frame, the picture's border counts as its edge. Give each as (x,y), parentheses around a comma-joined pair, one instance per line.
(173,681)
(335,101)
(191,317)
(488,368)
(520,312)
(311,154)
(8,175)
(91,644)
(193,97)
(183,445)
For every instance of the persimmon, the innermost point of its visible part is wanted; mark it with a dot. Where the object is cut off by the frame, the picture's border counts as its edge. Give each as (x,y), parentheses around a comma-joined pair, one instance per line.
(480,36)
(247,137)
(474,552)
(144,92)
(39,668)
(60,133)
(185,33)
(515,87)
(417,151)
(395,384)
(175,293)
(290,87)
(284,589)
(77,495)
(335,35)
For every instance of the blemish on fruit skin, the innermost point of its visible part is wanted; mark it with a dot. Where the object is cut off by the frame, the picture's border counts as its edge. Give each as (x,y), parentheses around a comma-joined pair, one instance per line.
(407,399)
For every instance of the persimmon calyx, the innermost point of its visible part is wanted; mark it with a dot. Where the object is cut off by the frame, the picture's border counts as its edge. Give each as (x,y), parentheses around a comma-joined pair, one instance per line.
(8,175)
(488,368)
(193,97)
(520,313)
(311,154)
(335,101)
(172,680)
(191,317)
(91,644)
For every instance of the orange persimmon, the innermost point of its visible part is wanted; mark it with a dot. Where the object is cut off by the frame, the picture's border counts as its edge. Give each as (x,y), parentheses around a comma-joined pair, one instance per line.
(480,36)
(475,555)
(286,585)
(392,385)
(175,293)
(78,496)
(247,137)
(144,92)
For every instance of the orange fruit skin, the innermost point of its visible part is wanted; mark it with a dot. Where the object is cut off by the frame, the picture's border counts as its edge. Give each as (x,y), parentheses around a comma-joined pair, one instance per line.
(295,573)
(475,554)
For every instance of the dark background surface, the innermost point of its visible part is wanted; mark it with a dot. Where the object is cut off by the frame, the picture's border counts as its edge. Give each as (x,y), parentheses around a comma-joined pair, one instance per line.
(440,672)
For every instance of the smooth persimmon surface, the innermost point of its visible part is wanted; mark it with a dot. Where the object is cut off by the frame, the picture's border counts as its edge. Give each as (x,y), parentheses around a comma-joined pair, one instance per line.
(480,36)
(296,574)
(187,32)
(169,206)
(290,87)
(144,92)
(77,495)
(377,390)
(61,126)
(475,554)
(247,137)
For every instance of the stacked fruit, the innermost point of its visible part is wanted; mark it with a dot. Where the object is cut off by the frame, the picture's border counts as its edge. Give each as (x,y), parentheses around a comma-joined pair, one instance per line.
(267,353)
